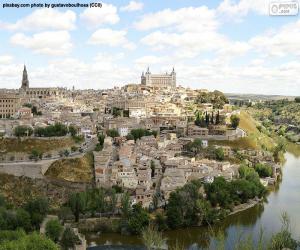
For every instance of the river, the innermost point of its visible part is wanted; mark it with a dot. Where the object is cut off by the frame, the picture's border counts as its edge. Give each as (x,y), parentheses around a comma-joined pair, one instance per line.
(284,197)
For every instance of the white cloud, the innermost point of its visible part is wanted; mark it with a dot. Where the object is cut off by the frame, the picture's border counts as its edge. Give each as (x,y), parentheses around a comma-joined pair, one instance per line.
(281,42)
(4,59)
(243,7)
(111,38)
(132,6)
(53,43)
(98,16)
(192,19)
(44,19)
(189,30)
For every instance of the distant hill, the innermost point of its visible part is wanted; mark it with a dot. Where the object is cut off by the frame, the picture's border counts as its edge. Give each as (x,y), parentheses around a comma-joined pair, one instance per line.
(257,97)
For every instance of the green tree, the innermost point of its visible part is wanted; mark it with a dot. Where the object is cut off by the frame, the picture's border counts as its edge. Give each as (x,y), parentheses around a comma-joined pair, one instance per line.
(23,219)
(263,170)
(36,154)
(235,121)
(219,154)
(77,203)
(21,131)
(32,241)
(37,208)
(53,229)
(72,130)
(69,239)
(125,205)
(138,220)
(112,133)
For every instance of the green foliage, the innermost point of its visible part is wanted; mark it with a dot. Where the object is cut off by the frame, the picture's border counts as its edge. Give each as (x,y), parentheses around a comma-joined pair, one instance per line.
(54,230)
(138,219)
(283,239)
(217,98)
(116,112)
(187,207)
(21,131)
(100,143)
(57,129)
(77,203)
(129,137)
(235,121)
(13,219)
(263,170)
(219,152)
(139,133)
(112,133)
(73,130)
(297,99)
(153,239)
(194,147)
(227,194)
(36,154)
(69,239)
(19,241)
(9,235)
(37,208)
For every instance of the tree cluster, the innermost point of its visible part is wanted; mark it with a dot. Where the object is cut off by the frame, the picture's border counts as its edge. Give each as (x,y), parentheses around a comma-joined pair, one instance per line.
(23,130)
(203,120)
(112,133)
(217,98)
(187,207)
(225,194)
(27,217)
(139,133)
(57,129)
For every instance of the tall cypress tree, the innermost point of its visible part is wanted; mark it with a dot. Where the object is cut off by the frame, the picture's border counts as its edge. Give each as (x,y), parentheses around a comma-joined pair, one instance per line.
(218,118)
(212,118)
(206,118)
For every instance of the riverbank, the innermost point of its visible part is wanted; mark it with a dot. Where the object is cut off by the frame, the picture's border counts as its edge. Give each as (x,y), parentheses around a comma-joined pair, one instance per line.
(245,206)
(250,219)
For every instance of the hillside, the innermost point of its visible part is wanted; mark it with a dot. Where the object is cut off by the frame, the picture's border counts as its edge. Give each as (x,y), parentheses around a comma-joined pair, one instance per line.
(27,144)
(254,140)
(73,169)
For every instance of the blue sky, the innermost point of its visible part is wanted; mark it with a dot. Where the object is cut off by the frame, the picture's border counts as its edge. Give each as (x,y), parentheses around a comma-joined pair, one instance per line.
(233,46)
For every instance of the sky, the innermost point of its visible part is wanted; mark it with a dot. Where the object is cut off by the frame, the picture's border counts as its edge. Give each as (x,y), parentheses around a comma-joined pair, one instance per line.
(234,46)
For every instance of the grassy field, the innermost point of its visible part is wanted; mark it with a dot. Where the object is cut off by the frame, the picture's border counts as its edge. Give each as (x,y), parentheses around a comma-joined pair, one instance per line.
(254,140)
(258,139)
(76,169)
(27,144)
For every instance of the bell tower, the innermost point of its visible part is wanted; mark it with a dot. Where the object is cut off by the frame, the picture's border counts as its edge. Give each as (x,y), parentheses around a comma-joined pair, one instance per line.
(25,81)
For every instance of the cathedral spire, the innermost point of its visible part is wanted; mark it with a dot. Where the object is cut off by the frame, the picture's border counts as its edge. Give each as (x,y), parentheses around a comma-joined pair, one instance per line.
(25,82)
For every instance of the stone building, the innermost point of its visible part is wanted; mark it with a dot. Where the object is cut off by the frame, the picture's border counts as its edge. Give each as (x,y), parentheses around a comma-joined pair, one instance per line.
(159,80)
(9,104)
(33,93)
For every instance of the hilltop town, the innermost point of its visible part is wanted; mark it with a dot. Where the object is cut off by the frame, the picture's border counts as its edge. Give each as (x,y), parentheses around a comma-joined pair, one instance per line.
(145,141)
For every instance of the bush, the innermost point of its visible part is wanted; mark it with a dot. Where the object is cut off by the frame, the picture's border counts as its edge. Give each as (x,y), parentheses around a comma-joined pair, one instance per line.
(235,121)
(69,239)
(112,133)
(54,230)
(36,154)
(21,131)
(57,129)
(263,170)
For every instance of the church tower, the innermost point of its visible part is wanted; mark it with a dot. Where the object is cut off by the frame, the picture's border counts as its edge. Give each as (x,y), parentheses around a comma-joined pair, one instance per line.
(25,81)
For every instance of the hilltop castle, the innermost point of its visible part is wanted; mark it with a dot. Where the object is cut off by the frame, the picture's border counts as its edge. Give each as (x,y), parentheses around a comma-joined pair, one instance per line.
(159,80)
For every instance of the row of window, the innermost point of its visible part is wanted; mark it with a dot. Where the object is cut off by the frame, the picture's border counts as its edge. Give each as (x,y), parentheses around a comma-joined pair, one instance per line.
(7,106)
(6,100)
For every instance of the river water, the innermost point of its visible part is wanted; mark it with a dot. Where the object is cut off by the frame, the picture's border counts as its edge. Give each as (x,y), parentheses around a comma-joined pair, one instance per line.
(284,198)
